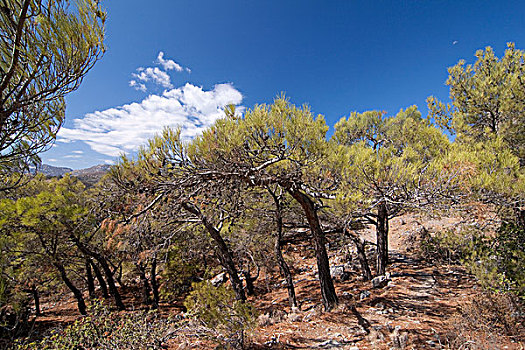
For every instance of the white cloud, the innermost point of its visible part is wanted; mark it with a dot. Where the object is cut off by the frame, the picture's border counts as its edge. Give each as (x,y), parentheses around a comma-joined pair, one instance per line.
(78,152)
(156,75)
(168,64)
(73,156)
(151,74)
(123,129)
(137,86)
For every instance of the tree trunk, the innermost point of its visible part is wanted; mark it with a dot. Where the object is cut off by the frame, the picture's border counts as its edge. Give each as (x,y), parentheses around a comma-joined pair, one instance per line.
(100,279)
(111,282)
(382,238)
(225,256)
(118,276)
(105,267)
(154,285)
(145,284)
(323,266)
(285,271)
(250,289)
(361,255)
(36,298)
(78,295)
(90,280)
(283,266)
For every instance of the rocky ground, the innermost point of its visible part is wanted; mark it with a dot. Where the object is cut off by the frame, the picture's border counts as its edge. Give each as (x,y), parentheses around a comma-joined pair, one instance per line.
(415,307)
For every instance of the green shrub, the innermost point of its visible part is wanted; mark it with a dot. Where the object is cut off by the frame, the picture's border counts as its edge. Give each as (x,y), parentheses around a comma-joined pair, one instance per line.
(179,273)
(224,318)
(104,330)
(498,262)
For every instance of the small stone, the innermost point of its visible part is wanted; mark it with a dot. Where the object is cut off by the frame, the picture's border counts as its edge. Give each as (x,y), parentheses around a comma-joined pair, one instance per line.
(329,344)
(264,320)
(219,279)
(380,281)
(337,271)
(364,295)
(293,317)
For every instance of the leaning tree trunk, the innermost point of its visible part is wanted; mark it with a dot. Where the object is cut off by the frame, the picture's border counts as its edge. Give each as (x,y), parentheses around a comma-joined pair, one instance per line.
(100,279)
(323,266)
(145,284)
(382,238)
(154,285)
(111,282)
(360,245)
(283,266)
(36,298)
(76,292)
(90,280)
(225,256)
(285,271)
(105,267)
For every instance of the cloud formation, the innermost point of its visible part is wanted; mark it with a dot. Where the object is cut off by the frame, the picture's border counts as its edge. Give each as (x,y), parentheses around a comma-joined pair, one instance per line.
(156,75)
(168,64)
(123,129)
(152,74)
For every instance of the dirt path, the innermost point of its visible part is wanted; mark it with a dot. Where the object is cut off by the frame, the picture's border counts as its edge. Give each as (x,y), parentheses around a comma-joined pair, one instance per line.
(410,311)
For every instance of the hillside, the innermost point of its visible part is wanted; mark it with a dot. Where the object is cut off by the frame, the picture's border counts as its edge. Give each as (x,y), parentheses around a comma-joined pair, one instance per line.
(88,176)
(424,305)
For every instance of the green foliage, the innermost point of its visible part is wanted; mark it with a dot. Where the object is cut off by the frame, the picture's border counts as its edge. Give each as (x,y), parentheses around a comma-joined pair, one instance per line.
(487,98)
(398,159)
(179,273)
(45,51)
(225,318)
(35,230)
(497,262)
(106,330)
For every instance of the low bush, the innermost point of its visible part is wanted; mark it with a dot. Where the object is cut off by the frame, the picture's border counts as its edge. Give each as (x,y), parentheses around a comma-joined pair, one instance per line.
(497,261)
(219,316)
(489,321)
(105,330)
(179,273)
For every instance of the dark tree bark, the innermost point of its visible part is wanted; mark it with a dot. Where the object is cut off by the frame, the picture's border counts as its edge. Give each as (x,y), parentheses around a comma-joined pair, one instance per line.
(111,282)
(100,279)
(154,285)
(118,276)
(105,267)
(90,280)
(223,252)
(283,266)
(76,292)
(285,272)
(250,289)
(36,298)
(382,238)
(361,255)
(323,266)
(145,284)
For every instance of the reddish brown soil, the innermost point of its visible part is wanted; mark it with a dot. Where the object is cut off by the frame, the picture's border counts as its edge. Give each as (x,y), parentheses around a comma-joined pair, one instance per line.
(415,308)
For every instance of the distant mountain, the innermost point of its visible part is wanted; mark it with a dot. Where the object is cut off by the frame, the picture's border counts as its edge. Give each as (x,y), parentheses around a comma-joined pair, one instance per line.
(91,176)
(88,176)
(50,170)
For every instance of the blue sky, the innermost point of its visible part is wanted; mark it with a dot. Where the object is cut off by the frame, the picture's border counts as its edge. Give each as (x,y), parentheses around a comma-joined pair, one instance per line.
(174,62)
